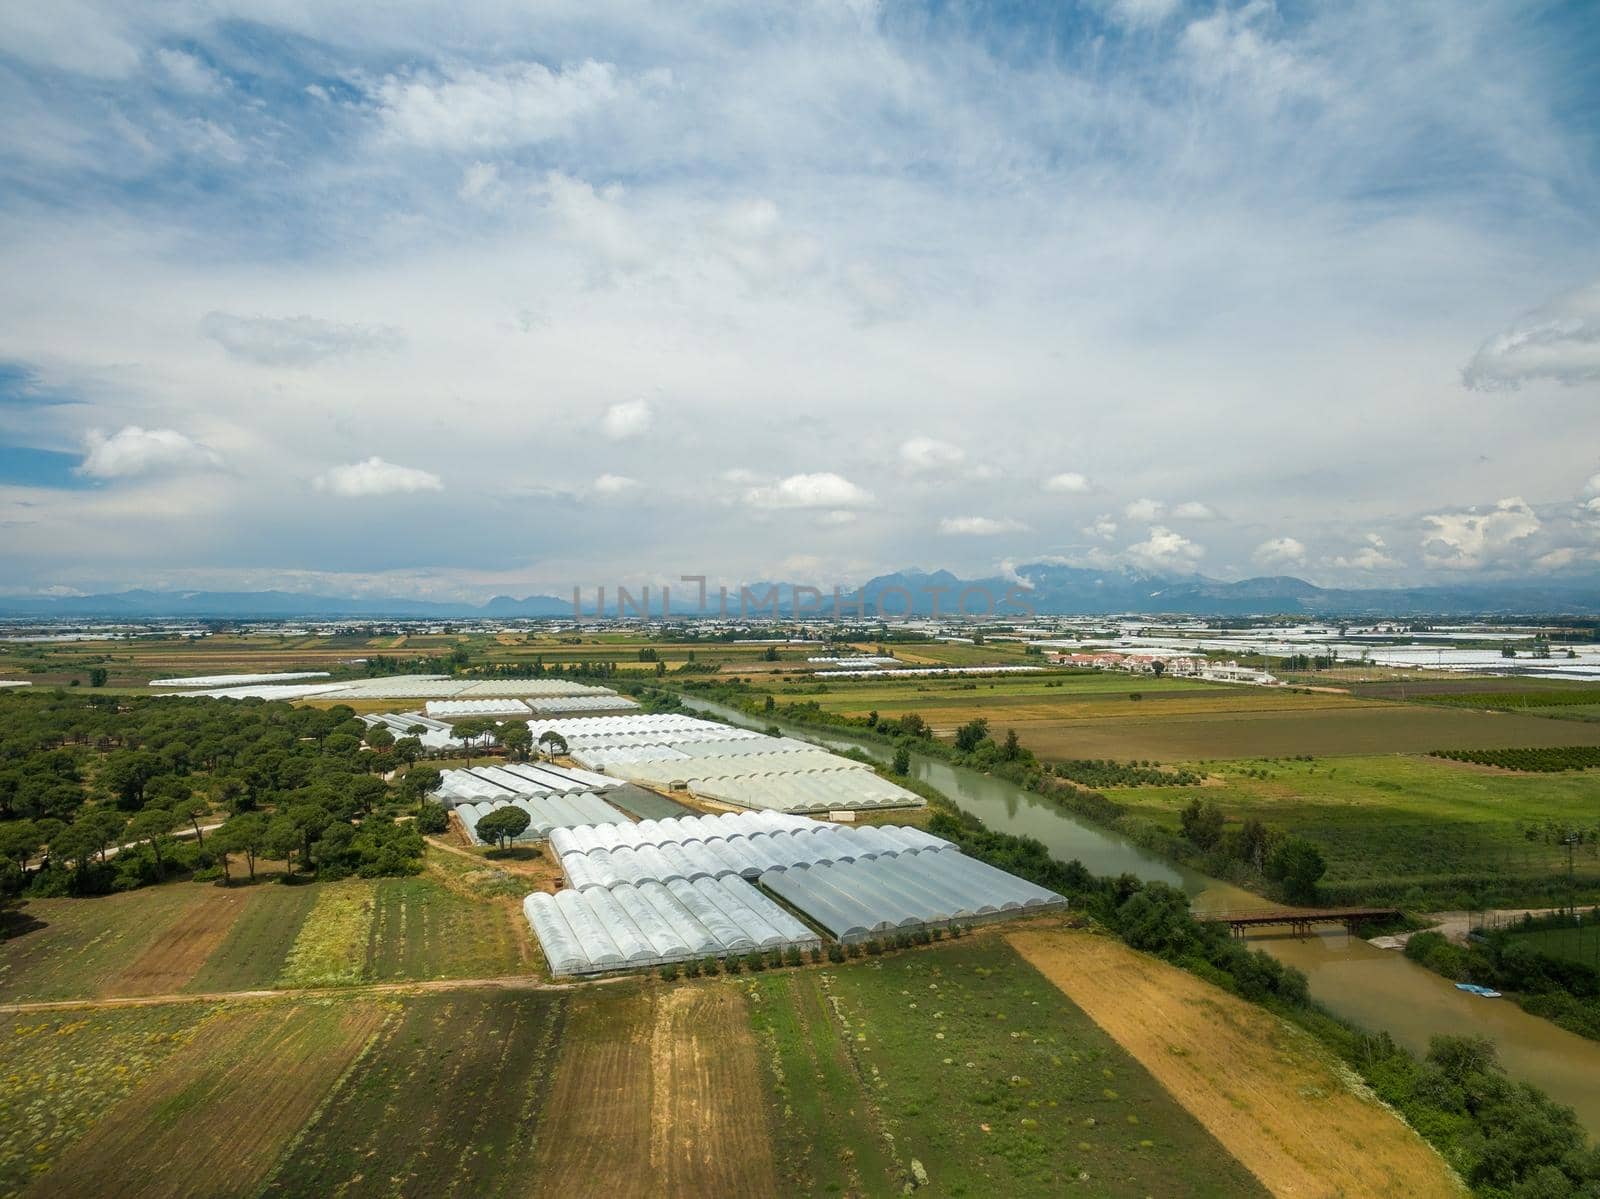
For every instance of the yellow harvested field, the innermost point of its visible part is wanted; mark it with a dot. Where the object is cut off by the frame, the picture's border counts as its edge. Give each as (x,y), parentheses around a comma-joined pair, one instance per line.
(1268,1092)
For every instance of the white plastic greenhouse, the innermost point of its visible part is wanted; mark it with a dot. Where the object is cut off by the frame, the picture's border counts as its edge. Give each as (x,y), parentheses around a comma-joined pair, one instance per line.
(731,766)
(546,813)
(871,897)
(626,927)
(513,779)
(449,708)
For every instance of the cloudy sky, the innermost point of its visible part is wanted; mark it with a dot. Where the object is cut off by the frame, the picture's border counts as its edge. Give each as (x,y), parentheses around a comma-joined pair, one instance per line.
(409,300)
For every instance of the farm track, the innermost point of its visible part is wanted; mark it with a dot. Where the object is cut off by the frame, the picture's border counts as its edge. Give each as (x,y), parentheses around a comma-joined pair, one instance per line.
(506,982)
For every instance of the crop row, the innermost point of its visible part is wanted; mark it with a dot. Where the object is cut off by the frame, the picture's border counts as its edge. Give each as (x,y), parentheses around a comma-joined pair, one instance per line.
(1519,699)
(1104,772)
(1547,760)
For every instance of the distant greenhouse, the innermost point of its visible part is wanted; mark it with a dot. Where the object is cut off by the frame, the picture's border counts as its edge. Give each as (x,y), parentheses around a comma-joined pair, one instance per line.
(731,766)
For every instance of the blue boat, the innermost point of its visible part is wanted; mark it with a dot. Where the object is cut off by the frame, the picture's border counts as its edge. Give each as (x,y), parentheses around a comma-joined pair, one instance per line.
(1475,989)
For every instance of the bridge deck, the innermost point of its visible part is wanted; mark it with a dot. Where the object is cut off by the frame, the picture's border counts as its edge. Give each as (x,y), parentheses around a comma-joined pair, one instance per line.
(1297,917)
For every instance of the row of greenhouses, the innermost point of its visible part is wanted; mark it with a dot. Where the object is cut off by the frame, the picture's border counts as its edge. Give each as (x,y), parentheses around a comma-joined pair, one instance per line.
(546,813)
(874,897)
(606,856)
(517,778)
(728,766)
(627,927)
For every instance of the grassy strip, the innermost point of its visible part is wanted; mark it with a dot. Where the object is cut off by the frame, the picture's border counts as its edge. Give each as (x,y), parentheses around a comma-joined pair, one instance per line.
(64,1071)
(447,1101)
(259,942)
(993,1084)
(332,947)
(422,929)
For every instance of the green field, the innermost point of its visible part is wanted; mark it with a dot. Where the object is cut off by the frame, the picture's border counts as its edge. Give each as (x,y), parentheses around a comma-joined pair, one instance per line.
(1095,715)
(445,1102)
(253,953)
(1581,944)
(970,1062)
(69,948)
(64,1070)
(423,930)
(1394,824)
(456,921)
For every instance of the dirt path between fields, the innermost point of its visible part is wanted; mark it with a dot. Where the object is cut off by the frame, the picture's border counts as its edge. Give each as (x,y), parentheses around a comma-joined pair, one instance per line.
(1271,1094)
(507,982)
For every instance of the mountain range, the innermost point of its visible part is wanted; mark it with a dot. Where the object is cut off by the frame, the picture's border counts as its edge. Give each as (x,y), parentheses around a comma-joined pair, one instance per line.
(1046,588)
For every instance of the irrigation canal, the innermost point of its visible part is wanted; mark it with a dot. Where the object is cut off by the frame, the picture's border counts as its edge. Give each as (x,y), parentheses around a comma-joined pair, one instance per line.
(1377,989)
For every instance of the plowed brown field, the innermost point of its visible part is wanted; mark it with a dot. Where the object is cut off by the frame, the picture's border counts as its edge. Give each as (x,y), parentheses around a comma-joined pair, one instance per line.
(177,954)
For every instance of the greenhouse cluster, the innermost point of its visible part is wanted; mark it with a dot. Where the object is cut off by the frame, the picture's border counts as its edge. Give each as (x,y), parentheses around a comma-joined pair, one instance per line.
(517,779)
(896,893)
(556,705)
(627,927)
(742,845)
(730,766)
(454,709)
(668,890)
(434,734)
(396,686)
(546,814)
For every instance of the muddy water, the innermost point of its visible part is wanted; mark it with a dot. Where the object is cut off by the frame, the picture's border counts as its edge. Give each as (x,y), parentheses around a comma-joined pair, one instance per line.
(1373,988)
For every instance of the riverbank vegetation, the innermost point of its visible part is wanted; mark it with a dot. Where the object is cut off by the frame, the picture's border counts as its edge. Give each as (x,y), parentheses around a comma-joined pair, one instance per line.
(1545,962)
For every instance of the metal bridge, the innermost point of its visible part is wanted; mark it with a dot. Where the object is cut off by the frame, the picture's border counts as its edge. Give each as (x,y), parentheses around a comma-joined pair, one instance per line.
(1300,920)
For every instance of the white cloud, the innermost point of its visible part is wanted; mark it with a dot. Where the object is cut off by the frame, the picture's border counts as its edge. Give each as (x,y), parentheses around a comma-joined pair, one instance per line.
(376,477)
(1102,528)
(1372,556)
(836,519)
(1145,510)
(1279,552)
(516,104)
(480,181)
(1556,559)
(598,220)
(1194,510)
(1593,485)
(131,452)
(978,526)
(1138,13)
(1560,341)
(1164,550)
(822,490)
(629,419)
(928,454)
(614,484)
(1470,539)
(1067,483)
(294,340)
(187,73)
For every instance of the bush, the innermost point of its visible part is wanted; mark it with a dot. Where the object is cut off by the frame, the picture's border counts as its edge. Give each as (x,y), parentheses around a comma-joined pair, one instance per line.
(433,817)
